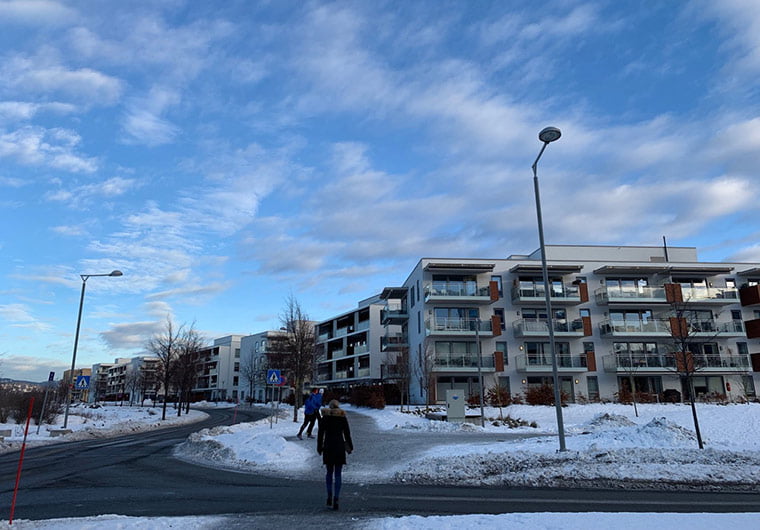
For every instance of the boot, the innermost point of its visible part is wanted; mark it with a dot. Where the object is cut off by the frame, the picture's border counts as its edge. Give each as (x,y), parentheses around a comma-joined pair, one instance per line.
(329,500)
(335,503)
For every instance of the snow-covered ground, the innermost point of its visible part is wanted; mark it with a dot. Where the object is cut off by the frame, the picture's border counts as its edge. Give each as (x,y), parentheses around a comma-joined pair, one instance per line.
(604,442)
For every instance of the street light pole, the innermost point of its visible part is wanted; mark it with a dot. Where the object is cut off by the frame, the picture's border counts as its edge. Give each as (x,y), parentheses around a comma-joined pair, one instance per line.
(70,383)
(548,135)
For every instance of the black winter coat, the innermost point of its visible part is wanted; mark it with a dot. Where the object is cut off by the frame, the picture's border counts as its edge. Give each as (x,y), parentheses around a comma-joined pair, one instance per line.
(334,437)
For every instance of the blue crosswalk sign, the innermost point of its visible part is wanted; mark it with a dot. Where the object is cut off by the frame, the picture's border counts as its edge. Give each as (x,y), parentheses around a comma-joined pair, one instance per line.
(83,382)
(273,377)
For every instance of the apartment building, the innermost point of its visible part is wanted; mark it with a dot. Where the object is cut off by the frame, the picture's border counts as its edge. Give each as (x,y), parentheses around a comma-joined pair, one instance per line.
(78,394)
(132,379)
(254,364)
(218,370)
(350,346)
(612,316)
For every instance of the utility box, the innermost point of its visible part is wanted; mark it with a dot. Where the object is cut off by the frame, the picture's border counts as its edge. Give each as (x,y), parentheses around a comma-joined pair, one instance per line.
(455,406)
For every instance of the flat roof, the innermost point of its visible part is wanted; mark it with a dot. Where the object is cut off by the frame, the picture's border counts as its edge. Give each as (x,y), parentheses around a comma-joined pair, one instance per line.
(529,269)
(461,266)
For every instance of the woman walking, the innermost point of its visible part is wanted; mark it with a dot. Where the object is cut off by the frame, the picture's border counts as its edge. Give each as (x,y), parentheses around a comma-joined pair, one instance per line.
(333,442)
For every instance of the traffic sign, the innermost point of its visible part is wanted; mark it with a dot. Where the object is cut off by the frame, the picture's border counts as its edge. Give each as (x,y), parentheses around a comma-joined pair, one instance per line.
(83,382)
(283,381)
(51,377)
(273,377)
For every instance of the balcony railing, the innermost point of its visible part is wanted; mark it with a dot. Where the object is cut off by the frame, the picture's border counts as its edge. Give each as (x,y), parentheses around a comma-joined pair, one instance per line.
(454,361)
(641,327)
(726,295)
(362,372)
(634,362)
(645,294)
(456,290)
(566,362)
(337,353)
(361,348)
(537,293)
(528,327)
(394,341)
(457,326)
(394,314)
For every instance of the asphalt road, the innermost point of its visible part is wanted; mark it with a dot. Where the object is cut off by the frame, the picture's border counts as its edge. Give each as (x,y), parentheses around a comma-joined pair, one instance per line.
(136,475)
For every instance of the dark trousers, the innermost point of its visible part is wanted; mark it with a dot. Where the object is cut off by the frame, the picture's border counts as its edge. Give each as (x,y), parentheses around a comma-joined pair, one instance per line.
(336,471)
(310,420)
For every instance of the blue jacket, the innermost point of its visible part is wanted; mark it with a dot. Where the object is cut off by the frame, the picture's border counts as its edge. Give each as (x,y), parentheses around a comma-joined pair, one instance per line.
(313,403)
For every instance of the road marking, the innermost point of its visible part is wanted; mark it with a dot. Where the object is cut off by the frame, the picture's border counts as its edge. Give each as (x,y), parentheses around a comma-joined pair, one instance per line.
(700,502)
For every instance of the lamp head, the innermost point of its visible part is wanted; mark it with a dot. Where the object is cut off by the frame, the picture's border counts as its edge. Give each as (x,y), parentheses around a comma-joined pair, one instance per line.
(116,273)
(549,134)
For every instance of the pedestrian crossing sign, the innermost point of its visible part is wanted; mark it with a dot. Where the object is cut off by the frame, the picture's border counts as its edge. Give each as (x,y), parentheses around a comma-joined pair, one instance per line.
(273,377)
(83,382)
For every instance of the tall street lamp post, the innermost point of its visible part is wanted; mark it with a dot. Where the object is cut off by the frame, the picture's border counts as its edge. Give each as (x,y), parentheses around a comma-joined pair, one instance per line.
(70,384)
(548,135)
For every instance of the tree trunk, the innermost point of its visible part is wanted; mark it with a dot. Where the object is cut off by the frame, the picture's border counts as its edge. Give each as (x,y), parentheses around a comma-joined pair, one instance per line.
(694,413)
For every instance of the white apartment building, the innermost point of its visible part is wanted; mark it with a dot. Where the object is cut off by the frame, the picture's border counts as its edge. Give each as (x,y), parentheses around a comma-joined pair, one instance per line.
(350,346)
(127,378)
(218,369)
(253,367)
(612,310)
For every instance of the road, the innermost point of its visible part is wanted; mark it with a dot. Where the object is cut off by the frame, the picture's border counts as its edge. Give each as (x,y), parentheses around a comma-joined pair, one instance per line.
(136,475)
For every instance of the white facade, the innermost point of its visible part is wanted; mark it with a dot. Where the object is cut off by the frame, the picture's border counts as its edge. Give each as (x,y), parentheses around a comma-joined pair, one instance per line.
(610,318)
(218,368)
(254,361)
(127,378)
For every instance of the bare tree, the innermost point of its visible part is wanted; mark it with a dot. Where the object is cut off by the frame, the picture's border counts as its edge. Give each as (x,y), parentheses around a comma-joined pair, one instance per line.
(396,369)
(690,334)
(165,345)
(423,368)
(186,374)
(294,350)
(132,384)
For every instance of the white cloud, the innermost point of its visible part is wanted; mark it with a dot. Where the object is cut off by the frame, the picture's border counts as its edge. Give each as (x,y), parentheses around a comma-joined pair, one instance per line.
(740,20)
(50,147)
(20,316)
(36,12)
(142,121)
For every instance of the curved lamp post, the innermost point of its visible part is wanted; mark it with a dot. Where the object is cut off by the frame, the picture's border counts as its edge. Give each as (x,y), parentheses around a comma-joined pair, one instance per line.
(548,135)
(70,384)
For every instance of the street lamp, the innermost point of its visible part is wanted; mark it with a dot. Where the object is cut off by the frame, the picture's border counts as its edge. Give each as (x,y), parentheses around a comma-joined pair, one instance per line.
(548,135)
(84,277)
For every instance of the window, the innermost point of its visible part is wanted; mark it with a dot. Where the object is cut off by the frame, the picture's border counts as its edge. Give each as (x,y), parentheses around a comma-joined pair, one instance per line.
(585,313)
(235,381)
(419,323)
(497,279)
(749,386)
(237,353)
(418,290)
(500,313)
(742,348)
(504,383)
(736,314)
(412,292)
(502,347)
(237,367)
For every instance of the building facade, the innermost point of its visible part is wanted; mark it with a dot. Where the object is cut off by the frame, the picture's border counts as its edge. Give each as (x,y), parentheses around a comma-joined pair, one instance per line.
(218,370)
(254,364)
(612,318)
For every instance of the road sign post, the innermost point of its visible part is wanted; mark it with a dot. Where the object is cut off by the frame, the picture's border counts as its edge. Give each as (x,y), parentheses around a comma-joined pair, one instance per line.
(51,377)
(273,378)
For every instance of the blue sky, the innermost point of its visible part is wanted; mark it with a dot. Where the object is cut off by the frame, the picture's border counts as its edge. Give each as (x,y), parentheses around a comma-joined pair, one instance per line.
(226,154)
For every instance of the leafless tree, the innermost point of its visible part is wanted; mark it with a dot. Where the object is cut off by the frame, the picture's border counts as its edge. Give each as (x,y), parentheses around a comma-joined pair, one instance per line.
(165,345)
(132,384)
(249,371)
(396,369)
(423,368)
(293,351)
(689,335)
(186,374)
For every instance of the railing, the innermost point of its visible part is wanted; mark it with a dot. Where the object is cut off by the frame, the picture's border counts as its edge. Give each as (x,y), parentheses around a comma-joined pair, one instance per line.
(541,326)
(340,332)
(604,295)
(735,326)
(393,311)
(709,293)
(568,291)
(324,336)
(362,325)
(632,362)
(337,353)
(622,327)
(362,348)
(445,289)
(362,372)
(463,361)
(543,362)
(457,325)
(394,340)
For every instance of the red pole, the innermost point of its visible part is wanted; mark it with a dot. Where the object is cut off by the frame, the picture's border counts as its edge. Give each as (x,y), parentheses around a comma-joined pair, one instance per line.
(21,460)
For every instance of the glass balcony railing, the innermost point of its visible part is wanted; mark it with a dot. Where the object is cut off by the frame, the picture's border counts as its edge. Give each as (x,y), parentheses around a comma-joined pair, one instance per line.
(456,289)
(632,362)
(457,325)
(463,361)
(534,326)
(606,295)
(567,291)
(543,362)
(706,294)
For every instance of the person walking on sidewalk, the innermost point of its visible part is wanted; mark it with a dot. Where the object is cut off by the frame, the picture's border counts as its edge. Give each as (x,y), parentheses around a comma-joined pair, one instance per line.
(333,442)
(310,412)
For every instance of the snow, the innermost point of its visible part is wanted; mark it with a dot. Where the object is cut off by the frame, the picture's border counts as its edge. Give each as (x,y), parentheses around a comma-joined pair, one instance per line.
(605,442)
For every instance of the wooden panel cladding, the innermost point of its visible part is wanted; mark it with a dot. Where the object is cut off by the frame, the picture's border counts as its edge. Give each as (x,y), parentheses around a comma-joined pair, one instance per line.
(496,325)
(493,290)
(755,358)
(684,362)
(673,293)
(750,295)
(498,360)
(679,328)
(583,291)
(591,361)
(588,330)
(753,328)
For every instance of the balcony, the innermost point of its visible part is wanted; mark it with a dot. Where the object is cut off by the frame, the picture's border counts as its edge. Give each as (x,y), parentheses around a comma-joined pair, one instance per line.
(633,363)
(335,354)
(532,327)
(459,292)
(633,295)
(359,348)
(543,363)
(710,295)
(642,328)
(458,326)
(569,294)
(394,342)
(394,314)
(463,363)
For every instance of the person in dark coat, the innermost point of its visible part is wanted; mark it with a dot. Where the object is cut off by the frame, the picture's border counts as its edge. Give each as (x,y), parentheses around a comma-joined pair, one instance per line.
(333,442)
(310,412)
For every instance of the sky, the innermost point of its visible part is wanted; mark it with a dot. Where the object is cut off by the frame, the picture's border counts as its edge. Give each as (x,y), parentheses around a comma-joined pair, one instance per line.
(225,155)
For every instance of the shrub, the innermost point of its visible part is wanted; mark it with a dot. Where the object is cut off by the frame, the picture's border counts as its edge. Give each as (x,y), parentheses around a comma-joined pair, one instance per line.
(498,396)
(543,395)
(368,396)
(473,400)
